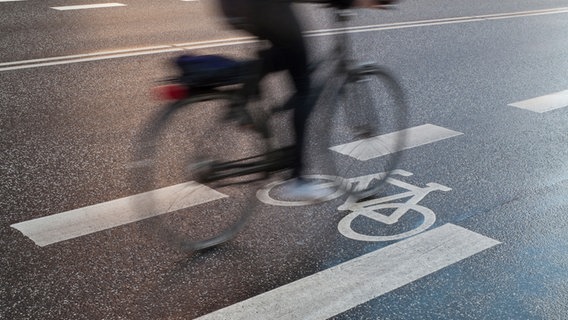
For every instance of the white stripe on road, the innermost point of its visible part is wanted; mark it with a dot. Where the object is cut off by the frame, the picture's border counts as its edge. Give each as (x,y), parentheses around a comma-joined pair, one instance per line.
(89,6)
(340,288)
(27,64)
(79,222)
(437,22)
(545,103)
(85,55)
(11,0)
(44,62)
(386,144)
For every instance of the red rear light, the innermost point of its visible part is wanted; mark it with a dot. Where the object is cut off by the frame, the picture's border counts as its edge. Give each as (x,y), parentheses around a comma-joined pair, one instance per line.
(171,92)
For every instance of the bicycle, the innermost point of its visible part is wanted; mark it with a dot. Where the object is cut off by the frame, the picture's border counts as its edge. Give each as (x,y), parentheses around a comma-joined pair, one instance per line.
(365,121)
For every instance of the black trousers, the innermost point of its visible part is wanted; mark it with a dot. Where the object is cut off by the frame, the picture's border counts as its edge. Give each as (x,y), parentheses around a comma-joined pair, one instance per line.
(276,22)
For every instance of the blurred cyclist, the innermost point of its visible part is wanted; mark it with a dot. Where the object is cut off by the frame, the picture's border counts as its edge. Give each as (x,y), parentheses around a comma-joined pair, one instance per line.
(275,21)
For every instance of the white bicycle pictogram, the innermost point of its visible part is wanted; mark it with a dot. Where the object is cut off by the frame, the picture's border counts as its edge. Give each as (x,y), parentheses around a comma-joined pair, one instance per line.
(371,208)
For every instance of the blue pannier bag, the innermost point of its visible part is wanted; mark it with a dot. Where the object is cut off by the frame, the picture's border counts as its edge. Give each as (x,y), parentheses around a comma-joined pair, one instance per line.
(209,71)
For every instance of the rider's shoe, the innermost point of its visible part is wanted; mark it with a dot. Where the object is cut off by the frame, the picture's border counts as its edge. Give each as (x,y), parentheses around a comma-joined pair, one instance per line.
(301,189)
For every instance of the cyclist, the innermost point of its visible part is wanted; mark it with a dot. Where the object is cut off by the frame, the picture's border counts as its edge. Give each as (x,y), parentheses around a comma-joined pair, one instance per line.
(275,21)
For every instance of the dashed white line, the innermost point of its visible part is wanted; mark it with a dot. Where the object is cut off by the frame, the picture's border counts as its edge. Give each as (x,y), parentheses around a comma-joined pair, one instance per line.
(87,55)
(79,222)
(437,22)
(386,144)
(544,103)
(35,63)
(340,288)
(15,65)
(89,6)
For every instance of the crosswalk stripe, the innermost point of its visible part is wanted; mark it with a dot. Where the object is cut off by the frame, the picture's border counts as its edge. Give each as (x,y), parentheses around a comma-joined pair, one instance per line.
(545,103)
(342,287)
(388,143)
(79,222)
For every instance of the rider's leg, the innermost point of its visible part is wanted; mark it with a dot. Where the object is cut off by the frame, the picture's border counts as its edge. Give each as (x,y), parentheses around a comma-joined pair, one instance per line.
(276,22)
(289,53)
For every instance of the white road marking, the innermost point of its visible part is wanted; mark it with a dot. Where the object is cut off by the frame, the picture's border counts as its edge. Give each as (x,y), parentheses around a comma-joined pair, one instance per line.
(85,55)
(79,222)
(545,103)
(89,6)
(437,22)
(363,150)
(373,211)
(340,288)
(27,64)
(75,223)
(44,62)
(11,0)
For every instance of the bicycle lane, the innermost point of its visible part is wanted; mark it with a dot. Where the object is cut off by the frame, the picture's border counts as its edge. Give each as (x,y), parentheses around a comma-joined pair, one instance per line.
(424,136)
(507,175)
(420,136)
(354,282)
(437,245)
(420,177)
(524,277)
(344,286)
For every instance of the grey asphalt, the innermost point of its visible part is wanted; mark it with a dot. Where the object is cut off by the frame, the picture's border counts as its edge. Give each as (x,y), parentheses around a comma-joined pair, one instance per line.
(66,140)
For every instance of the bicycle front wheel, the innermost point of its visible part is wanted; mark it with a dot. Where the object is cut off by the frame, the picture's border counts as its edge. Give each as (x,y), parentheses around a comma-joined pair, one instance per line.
(190,202)
(366,129)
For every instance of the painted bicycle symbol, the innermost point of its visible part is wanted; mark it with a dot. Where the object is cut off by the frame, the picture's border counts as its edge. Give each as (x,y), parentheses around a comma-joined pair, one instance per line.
(383,210)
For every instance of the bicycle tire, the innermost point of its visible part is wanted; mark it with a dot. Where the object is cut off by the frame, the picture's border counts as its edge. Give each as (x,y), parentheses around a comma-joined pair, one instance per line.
(364,129)
(179,145)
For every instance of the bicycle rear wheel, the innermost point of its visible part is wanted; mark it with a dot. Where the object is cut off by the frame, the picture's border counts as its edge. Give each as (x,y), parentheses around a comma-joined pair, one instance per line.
(365,129)
(183,147)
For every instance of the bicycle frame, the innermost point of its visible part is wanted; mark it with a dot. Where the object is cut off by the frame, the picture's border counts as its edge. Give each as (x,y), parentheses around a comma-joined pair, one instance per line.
(273,160)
